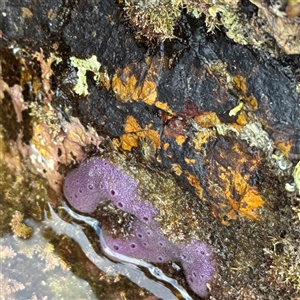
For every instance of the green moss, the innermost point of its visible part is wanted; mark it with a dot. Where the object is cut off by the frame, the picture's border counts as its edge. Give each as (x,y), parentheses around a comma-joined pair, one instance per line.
(153,19)
(156,20)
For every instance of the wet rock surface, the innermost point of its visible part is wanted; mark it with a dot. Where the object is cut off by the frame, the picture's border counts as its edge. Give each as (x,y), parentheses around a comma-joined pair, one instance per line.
(180,108)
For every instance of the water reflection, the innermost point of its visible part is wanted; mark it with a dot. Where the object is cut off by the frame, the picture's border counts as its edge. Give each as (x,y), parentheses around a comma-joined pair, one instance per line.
(129,270)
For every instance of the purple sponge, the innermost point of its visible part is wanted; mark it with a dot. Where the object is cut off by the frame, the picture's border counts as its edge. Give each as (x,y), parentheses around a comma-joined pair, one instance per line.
(97,180)
(146,242)
(83,191)
(198,263)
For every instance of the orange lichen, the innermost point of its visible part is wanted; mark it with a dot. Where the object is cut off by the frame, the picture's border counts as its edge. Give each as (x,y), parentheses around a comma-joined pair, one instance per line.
(132,125)
(124,86)
(26,12)
(147,92)
(164,107)
(200,139)
(252,101)
(177,169)
(240,82)
(190,161)
(128,141)
(226,182)
(284,146)
(193,180)
(104,79)
(180,139)
(128,85)
(242,118)
(133,132)
(152,135)
(234,189)
(250,202)
(170,155)
(240,157)
(207,119)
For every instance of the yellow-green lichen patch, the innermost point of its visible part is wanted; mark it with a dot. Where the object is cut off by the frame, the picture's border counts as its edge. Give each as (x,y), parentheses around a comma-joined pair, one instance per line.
(295,186)
(155,19)
(84,65)
(296,175)
(236,109)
